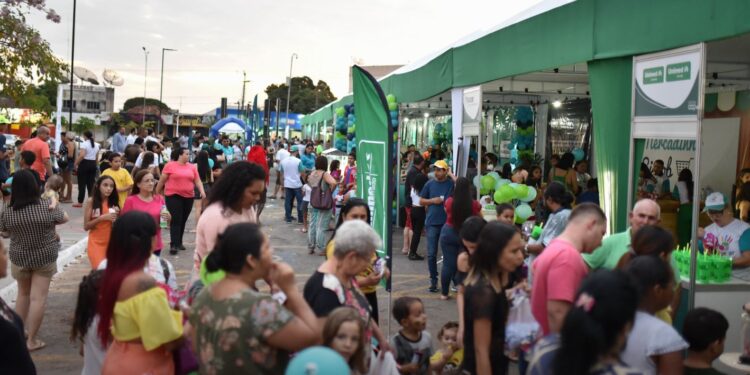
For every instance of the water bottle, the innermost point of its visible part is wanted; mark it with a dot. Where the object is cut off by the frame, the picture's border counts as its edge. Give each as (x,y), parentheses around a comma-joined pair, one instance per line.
(162,219)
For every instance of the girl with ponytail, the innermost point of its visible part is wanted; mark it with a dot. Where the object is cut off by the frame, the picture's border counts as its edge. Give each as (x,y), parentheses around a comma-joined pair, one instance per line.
(269,327)
(594,331)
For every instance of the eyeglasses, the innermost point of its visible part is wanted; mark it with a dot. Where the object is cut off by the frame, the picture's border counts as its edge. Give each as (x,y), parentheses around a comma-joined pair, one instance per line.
(715,212)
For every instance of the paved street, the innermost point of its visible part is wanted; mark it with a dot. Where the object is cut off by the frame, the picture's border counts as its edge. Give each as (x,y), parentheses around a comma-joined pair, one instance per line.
(62,357)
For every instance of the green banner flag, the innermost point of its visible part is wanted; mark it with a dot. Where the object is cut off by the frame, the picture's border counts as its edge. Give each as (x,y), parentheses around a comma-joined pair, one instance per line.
(374,155)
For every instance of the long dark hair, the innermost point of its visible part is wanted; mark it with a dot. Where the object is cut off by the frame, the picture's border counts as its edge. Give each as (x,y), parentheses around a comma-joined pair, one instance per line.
(350,204)
(24,189)
(88,296)
(90,137)
(233,246)
(687,176)
(461,208)
(653,240)
(230,187)
(590,330)
(204,168)
(112,200)
(128,250)
(471,228)
(493,239)
(558,194)
(648,272)
(566,161)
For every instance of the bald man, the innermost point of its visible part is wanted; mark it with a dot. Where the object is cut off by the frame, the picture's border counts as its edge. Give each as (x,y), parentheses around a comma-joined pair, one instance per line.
(645,212)
(40,148)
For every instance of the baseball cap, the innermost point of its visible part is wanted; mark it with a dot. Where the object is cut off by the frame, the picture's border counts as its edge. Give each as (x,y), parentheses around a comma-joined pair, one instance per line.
(441,164)
(715,201)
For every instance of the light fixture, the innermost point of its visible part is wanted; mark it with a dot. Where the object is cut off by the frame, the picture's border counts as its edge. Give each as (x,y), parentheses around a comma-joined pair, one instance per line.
(406,119)
(557,104)
(426,114)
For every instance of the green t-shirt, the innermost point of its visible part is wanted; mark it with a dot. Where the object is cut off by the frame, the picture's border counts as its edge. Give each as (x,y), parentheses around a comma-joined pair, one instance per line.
(609,253)
(701,371)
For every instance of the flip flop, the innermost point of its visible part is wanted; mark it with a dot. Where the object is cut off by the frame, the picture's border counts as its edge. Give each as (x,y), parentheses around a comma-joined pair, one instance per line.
(39,344)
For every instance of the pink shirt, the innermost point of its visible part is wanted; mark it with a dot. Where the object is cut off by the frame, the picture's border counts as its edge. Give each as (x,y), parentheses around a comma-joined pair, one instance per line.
(214,219)
(181,179)
(153,208)
(558,273)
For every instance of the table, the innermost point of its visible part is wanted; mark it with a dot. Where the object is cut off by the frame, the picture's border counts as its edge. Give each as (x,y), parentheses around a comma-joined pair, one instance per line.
(732,360)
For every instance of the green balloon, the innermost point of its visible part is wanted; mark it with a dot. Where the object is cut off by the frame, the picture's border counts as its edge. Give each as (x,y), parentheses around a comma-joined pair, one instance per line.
(392,106)
(390,98)
(340,112)
(504,194)
(484,191)
(488,182)
(209,278)
(521,191)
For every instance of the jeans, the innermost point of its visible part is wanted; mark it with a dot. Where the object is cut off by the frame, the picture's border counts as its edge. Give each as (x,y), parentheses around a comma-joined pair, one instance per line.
(433,235)
(179,207)
(417,224)
(449,245)
(318,225)
(86,176)
(290,195)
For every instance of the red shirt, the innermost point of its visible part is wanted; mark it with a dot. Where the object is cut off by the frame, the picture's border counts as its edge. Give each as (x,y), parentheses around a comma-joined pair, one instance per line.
(181,179)
(558,273)
(476,208)
(40,148)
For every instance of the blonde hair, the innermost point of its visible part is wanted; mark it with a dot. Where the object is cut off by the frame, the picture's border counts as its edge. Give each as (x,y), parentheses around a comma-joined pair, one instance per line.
(334,321)
(54,183)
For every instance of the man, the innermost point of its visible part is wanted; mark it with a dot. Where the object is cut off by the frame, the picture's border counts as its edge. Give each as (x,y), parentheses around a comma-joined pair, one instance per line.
(319,149)
(727,236)
(350,172)
(119,141)
(40,148)
(183,140)
(432,196)
(662,187)
(411,174)
(131,137)
(645,212)
(559,270)
(291,167)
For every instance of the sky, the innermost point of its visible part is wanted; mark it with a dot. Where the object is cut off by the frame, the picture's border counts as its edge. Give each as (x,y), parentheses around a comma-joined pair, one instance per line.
(217,40)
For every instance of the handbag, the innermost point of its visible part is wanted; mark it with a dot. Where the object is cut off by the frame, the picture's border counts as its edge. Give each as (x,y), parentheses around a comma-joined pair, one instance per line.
(319,198)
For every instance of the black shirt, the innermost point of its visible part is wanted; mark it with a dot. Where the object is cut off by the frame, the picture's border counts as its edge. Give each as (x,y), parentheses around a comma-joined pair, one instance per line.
(14,357)
(411,174)
(482,302)
(323,300)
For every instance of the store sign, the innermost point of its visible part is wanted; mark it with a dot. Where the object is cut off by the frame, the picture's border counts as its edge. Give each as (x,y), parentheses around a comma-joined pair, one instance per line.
(668,92)
(472,110)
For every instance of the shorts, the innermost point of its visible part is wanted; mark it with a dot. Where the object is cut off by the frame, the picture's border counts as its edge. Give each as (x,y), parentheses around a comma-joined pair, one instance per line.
(279,179)
(408,217)
(22,273)
(305,205)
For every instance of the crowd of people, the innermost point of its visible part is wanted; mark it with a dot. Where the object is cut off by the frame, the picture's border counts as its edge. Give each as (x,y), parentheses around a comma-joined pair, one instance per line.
(603,305)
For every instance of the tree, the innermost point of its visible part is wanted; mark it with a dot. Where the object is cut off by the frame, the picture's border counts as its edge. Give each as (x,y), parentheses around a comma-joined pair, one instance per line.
(137,102)
(25,57)
(306,96)
(40,98)
(83,124)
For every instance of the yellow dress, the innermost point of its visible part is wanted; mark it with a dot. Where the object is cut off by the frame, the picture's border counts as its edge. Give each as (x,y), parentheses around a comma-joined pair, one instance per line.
(141,325)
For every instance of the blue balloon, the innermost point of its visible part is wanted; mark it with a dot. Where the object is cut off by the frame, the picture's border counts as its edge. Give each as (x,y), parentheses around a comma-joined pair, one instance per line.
(394,114)
(350,136)
(578,154)
(514,153)
(513,160)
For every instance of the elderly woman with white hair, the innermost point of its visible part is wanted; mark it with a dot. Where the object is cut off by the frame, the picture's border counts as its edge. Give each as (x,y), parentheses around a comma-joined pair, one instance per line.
(334,285)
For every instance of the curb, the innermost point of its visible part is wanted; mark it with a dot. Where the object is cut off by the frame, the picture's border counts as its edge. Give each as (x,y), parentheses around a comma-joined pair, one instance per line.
(65,257)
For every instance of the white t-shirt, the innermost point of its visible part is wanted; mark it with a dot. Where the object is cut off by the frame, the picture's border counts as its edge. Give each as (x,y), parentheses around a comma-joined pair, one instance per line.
(290,166)
(155,270)
(415,198)
(151,138)
(306,190)
(732,238)
(131,139)
(183,140)
(91,152)
(650,336)
(93,351)
(281,154)
(157,160)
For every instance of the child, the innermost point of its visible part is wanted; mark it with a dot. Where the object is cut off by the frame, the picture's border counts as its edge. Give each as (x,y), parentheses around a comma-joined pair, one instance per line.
(306,190)
(412,344)
(743,202)
(344,333)
(535,177)
(99,213)
(52,190)
(123,181)
(591,194)
(653,346)
(743,177)
(505,213)
(705,331)
(447,360)
(85,323)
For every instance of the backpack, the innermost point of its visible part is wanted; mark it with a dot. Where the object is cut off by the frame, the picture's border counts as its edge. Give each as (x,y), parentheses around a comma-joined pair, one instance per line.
(62,161)
(320,198)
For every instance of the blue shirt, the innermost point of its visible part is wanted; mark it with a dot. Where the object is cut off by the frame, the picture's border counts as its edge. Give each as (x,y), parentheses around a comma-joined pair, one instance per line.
(434,188)
(118,143)
(308,161)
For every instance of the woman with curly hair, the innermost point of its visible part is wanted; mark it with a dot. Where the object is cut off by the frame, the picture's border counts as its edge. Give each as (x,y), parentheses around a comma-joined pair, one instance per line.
(231,201)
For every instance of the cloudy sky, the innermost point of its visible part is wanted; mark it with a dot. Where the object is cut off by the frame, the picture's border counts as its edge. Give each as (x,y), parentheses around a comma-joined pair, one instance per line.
(217,40)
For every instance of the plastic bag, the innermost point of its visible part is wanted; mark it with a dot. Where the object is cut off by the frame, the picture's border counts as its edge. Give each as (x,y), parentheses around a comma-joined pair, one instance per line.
(522,329)
(385,365)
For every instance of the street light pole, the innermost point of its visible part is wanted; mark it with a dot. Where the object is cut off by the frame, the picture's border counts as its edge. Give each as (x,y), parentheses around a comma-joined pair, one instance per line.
(161,88)
(145,79)
(72,62)
(242,106)
(288,95)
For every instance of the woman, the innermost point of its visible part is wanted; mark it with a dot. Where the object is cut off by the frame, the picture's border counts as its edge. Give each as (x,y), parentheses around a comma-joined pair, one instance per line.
(128,294)
(100,212)
(458,208)
(321,179)
(582,175)
(147,163)
(238,329)
(178,182)
(418,216)
(33,249)
(85,166)
(232,199)
(205,171)
(67,157)
(367,280)
(335,169)
(594,330)
(564,173)
(499,252)
(683,191)
(469,233)
(257,155)
(333,283)
(14,358)
(143,199)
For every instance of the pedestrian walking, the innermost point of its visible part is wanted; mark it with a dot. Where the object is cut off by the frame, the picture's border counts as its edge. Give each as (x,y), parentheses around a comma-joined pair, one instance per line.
(291,168)
(432,196)
(85,166)
(322,185)
(458,208)
(143,199)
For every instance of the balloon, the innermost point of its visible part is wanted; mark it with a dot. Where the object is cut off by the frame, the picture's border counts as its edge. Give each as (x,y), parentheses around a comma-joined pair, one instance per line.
(521,191)
(501,183)
(524,211)
(317,360)
(477,181)
(530,196)
(340,111)
(495,176)
(578,154)
(488,182)
(393,106)
(514,153)
(506,194)
(208,278)
(390,98)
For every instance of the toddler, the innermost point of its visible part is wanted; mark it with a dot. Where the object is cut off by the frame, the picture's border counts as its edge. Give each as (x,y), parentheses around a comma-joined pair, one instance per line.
(85,322)
(412,345)
(447,359)
(52,190)
(344,333)
(306,190)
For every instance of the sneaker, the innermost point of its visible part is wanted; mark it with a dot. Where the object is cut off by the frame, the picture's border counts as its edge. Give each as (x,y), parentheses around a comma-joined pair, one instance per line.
(181,247)
(173,251)
(415,256)
(433,289)
(454,289)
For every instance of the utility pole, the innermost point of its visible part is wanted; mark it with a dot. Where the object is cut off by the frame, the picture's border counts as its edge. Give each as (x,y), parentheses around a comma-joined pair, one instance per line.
(277,118)
(161,88)
(288,95)
(145,80)
(244,81)
(72,62)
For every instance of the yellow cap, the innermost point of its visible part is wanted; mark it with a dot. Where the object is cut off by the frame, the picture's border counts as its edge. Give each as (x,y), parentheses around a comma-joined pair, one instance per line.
(441,164)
